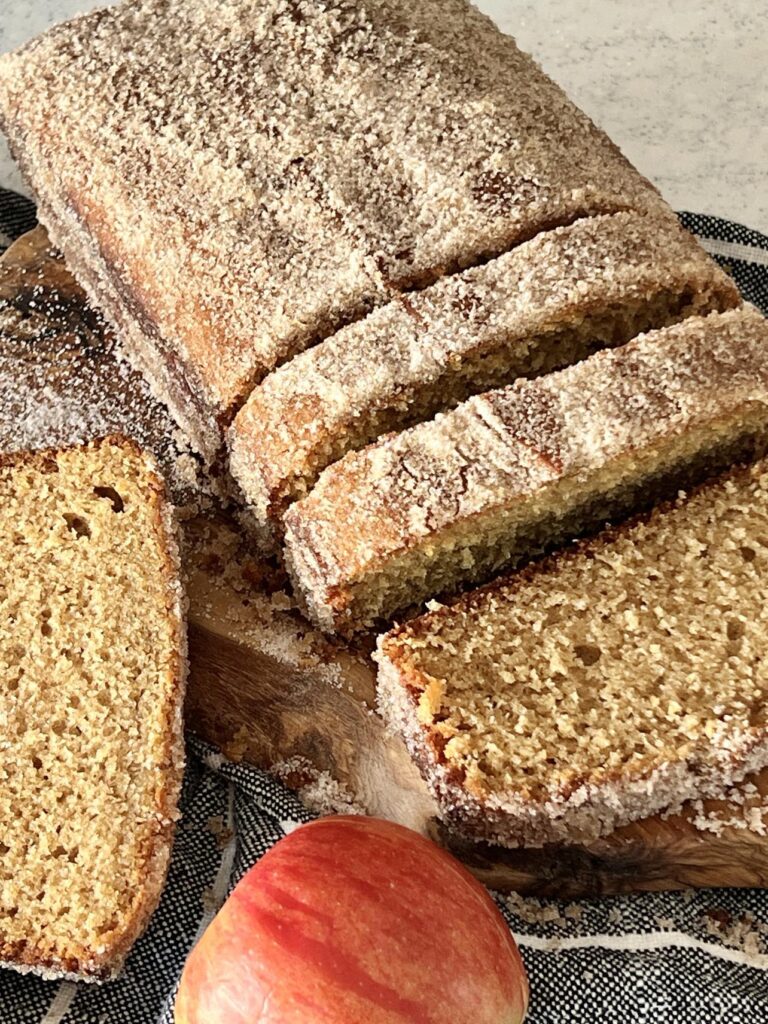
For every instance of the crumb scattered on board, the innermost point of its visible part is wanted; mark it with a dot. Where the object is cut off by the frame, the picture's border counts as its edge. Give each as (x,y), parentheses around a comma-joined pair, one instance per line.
(318,791)
(247,596)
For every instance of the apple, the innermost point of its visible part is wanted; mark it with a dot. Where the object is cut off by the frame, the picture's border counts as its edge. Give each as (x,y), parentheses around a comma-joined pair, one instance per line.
(354,920)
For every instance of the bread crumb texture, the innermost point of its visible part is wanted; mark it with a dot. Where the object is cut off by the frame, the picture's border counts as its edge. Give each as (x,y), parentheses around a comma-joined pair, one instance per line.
(92,651)
(508,473)
(602,684)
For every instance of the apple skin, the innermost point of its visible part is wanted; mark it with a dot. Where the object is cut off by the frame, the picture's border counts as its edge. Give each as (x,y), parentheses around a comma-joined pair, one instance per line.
(354,920)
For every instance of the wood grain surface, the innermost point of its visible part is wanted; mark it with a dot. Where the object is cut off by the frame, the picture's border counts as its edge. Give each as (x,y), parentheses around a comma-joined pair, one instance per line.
(267,688)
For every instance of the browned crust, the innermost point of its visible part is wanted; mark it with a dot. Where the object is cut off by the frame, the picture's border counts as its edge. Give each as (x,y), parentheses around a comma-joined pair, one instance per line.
(84,964)
(179,387)
(75,233)
(410,358)
(124,303)
(353,234)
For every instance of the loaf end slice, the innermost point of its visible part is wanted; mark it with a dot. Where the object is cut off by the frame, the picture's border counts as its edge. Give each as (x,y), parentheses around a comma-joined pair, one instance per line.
(602,685)
(92,673)
(507,474)
(548,303)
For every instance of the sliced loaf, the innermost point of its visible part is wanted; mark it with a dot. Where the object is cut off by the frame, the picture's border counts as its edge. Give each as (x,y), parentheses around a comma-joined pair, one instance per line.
(508,473)
(549,302)
(92,666)
(600,685)
(233,181)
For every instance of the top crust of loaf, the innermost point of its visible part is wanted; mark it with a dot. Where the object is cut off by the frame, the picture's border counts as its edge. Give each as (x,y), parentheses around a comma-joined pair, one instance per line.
(236,179)
(92,476)
(683,639)
(501,448)
(380,367)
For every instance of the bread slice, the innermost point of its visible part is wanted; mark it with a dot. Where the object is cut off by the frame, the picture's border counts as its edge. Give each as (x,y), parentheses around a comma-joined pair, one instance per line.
(545,304)
(454,500)
(598,686)
(233,181)
(92,668)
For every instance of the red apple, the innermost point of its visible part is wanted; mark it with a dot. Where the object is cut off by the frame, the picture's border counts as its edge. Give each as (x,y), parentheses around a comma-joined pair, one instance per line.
(352,920)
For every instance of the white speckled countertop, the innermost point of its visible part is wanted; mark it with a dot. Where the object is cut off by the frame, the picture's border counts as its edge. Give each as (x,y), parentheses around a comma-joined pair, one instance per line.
(680,85)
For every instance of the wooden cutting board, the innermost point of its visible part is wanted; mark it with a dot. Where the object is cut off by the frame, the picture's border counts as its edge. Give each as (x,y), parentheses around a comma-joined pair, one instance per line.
(266,687)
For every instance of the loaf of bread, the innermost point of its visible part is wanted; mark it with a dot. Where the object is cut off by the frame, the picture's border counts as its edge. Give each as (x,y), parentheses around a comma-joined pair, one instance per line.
(92,663)
(545,304)
(601,685)
(233,181)
(506,474)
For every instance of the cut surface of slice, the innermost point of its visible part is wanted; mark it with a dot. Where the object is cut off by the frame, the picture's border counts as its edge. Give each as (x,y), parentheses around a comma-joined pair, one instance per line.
(92,670)
(546,304)
(508,473)
(599,686)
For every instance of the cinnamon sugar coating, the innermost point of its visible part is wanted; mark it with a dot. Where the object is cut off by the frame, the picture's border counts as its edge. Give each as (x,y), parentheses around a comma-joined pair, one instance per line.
(547,303)
(454,499)
(234,180)
(63,380)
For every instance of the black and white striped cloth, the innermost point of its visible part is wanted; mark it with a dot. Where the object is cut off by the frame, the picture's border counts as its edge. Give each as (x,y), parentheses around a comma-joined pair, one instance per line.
(668,958)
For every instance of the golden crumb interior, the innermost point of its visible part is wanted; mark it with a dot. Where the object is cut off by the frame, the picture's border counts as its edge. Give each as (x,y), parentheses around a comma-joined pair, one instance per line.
(473,550)
(90,649)
(630,653)
(578,337)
